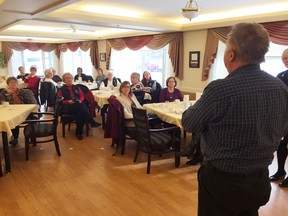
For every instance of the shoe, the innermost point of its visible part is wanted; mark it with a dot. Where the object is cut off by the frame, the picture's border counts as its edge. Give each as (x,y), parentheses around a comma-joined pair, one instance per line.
(195,161)
(79,136)
(284,183)
(95,124)
(14,141)
(278,176)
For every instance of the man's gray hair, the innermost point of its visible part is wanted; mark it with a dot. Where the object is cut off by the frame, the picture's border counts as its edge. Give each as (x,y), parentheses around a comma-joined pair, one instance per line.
(250,42)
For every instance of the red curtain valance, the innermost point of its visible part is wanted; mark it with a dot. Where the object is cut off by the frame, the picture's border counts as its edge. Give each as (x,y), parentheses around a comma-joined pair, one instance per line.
(7,49)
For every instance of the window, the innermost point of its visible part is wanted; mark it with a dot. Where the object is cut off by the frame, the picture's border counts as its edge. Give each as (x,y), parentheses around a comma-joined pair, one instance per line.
(273,61)
(26,58)
(72,60)
(69,61)
(126,61)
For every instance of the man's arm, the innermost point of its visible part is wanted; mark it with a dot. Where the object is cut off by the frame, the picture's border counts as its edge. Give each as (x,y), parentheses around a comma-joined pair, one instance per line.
(196,117)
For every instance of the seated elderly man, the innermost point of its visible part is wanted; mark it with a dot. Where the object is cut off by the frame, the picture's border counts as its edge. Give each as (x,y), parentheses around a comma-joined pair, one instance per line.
(136,85)
(110,82)
(73,104)
(14,95)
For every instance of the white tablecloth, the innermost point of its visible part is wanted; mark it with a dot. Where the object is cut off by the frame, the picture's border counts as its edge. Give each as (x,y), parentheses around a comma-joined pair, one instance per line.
(169,112)
(14,115)
(101,97)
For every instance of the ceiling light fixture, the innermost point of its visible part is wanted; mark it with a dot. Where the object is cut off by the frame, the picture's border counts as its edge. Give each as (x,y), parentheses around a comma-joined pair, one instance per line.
(189,11)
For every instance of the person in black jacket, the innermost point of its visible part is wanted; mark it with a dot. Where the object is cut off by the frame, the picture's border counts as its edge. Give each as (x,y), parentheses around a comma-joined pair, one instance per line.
(110,82)
(73,104)
(80,74)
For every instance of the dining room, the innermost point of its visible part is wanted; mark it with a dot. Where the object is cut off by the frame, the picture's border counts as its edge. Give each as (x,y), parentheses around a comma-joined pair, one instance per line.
(86,179)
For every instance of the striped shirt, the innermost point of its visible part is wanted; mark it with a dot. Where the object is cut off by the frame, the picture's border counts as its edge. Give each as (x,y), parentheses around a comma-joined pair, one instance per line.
(242,119)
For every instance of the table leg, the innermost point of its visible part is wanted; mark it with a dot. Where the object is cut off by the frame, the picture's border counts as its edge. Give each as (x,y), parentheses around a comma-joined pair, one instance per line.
(103,115)
(6,152)
(177,148)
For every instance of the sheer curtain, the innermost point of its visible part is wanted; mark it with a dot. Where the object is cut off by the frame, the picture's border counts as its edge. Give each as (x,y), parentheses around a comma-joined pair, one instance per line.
(70,61)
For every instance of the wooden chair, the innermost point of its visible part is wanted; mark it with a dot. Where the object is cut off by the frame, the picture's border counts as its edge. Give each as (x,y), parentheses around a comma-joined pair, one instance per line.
(89,78)
(155,141)
(43,128)
(67,119)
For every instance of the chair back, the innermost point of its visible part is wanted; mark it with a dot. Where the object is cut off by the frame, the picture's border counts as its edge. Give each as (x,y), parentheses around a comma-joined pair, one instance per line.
(57,109)
(47,93)
(89,99)
(115,125)
(89,78)
(140,96)
(142,127)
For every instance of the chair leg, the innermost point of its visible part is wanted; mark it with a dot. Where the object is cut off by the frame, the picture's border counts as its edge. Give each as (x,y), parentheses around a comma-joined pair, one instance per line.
(33,141)
(87,129)
(1,171)
(137,153)
(103,118)
(57,145)
(123,145)
(148,163)
(63,129)
(27,148)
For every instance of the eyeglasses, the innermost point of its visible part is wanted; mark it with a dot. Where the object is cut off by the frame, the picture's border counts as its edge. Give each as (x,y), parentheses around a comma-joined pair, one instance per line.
(126,87)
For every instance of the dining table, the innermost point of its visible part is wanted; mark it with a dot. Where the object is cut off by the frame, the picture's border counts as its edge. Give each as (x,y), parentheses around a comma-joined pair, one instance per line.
(102,96)
(10,117)
(170,112)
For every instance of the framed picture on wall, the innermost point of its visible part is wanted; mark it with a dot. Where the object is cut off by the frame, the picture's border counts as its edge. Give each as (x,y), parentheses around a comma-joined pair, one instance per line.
(102,56)
(194,59)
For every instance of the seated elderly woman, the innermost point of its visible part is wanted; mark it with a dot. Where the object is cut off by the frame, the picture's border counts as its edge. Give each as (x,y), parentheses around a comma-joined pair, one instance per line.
(73,104)
(170,93)
(110,82)
(149,84)
(14,95)
(128,99)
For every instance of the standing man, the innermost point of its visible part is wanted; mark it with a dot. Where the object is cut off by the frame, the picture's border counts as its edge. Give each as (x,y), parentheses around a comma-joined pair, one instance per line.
(242,119)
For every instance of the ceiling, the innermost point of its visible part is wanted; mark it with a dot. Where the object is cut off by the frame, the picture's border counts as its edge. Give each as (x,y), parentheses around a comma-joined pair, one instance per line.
(58,21)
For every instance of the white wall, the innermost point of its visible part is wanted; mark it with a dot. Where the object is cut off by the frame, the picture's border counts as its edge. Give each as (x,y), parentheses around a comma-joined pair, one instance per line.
(193,41)
(102,49)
